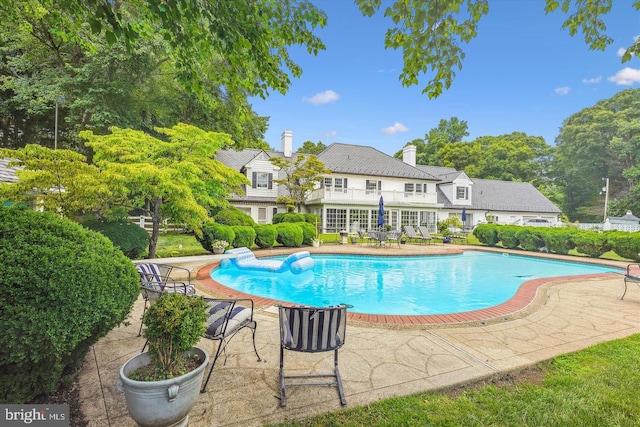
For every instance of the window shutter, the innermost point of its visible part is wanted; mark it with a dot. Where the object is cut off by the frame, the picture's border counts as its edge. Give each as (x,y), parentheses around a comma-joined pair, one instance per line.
(379,185)
(344,185)
(254,179)
(270,181)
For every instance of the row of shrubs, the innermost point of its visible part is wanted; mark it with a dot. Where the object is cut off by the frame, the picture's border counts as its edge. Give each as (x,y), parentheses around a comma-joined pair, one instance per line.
(560,240)
(288,229)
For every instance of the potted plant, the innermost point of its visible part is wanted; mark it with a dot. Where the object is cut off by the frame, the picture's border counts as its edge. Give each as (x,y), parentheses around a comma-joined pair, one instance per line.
(316,242)
(219,246)
(162,385)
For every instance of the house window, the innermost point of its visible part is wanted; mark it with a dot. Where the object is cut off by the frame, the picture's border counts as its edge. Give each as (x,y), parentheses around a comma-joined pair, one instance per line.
(409,218)
(262,215)
(421,188)
(408,187)
(373,186)
(462,193)
(328,182)
(336,220)
(262,180)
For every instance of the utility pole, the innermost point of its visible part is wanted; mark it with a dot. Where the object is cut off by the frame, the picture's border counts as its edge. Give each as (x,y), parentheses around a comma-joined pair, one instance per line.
(605,189)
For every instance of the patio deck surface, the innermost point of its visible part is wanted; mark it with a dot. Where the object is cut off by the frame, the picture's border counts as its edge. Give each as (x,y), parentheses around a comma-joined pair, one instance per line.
(383,356)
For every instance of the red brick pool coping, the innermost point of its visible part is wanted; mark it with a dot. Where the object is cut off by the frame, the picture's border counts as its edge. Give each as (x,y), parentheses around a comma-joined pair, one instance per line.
(523,297)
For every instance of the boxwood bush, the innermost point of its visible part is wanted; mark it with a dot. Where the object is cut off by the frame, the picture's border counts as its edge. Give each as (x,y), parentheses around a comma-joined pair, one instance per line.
(288,217)
(62,288)
(308,232)
(233,216)
(627,245)
(212,231)
(591,243)
(132,239)
(558,240)
(289,234)
(507,236)
(245,236)
(266,235)
(486,234)
(529,239)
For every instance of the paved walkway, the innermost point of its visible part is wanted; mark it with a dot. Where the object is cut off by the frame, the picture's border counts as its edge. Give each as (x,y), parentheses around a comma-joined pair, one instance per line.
(377,361)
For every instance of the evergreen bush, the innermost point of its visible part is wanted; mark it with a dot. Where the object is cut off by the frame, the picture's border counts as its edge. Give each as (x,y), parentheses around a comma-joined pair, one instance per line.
(626,245)
(289,234)
(245,236)
(313,219)
(288,217)
(487,234)
(308,232)
(233,216)
(591,243)
(266,235)
(212,231)
(558,240)
(63,287)
(529,239)
(507,236)
(132,239)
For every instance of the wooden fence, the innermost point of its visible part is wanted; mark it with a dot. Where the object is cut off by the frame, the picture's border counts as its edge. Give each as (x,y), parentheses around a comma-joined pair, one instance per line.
(166,227)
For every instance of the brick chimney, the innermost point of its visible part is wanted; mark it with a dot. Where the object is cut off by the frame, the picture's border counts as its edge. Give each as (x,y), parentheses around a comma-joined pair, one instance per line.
(287,143)
(409,155)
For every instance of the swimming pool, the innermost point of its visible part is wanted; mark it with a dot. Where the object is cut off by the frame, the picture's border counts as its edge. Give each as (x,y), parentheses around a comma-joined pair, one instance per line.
(404,285)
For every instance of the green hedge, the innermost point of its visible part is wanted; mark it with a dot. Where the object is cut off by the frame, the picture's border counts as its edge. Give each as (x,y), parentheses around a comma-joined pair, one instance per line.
(591,243)
(266,235)
(558,240)
(289,234)
(233,216)
(212,231)
(132,239)
(308,232)
(245,236)
(487,234)
(63,288)
(529,238)
(508,236)
(627,245)
(288,217)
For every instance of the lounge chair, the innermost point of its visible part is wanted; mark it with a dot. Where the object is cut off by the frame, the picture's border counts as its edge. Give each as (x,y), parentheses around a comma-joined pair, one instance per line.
(312,330)
(632,275)
(412,235)
(425,233)
(393,236)
(155,280)
(226,318)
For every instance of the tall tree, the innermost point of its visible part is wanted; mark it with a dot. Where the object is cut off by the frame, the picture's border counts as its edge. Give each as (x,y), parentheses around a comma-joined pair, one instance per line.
(602,141)
(309,147)
(447,132)
(430,33)
(302,175)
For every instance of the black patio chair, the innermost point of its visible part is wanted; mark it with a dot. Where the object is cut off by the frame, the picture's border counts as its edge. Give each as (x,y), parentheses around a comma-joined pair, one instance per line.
(632,275)
(312,330)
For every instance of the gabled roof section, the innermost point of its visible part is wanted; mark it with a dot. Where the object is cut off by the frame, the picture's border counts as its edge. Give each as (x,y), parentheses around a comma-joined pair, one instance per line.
(444,174)
(493,195)
(362,160)
(8,174)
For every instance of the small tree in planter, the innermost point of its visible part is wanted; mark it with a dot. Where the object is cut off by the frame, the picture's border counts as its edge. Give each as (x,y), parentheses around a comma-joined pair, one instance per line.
(171,371)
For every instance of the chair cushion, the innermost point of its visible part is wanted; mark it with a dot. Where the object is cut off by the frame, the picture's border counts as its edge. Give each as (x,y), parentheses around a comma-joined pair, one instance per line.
(238,318)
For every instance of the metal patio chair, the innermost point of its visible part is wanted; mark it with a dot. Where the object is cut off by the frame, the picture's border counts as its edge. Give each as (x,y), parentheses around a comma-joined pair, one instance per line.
(632,275)
(312,330)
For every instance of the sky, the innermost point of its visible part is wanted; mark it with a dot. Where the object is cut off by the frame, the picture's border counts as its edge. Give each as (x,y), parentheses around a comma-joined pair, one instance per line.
(522,73)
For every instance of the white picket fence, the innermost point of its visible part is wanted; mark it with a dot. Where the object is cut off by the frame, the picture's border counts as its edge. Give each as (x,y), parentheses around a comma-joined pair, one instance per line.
(608,226)
(166,227)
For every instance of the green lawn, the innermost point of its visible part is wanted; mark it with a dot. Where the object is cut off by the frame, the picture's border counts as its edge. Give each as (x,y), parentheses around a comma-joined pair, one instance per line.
(171,245)
(595,387)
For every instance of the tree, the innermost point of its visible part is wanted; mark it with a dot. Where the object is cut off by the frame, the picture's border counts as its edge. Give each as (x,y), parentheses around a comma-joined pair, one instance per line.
(175,179)
(602,141)
(309,147)
(429,33)
(447,132)
(302,175)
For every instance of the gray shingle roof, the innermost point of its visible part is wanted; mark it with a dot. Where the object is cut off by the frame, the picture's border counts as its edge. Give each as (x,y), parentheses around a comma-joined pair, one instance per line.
(493,195)
(362,160)
(7,174)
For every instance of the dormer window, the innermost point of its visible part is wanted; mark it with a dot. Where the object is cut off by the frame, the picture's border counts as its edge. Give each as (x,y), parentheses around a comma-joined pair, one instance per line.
(462,193)
(262,180)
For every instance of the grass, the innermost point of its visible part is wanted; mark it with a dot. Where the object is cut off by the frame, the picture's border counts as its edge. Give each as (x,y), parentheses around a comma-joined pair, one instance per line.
(176,244)
(593,387)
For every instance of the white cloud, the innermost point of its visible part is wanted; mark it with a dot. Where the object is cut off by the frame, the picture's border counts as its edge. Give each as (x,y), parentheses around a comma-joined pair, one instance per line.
(322,98)
(564,90)
(626,77)
(621,51)
(592,80)
(396,128)
(330,134)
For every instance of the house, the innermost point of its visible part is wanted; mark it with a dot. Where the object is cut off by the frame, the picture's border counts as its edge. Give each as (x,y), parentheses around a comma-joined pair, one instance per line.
(349,197)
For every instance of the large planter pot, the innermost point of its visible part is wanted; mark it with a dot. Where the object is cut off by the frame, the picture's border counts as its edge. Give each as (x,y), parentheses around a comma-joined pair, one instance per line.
(161,403)
(218,251)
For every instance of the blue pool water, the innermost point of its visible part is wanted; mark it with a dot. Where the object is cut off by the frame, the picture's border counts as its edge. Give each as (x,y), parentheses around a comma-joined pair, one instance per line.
(404,285)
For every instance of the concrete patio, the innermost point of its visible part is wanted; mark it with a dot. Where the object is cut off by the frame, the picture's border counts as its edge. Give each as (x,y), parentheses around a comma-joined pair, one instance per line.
(378,361)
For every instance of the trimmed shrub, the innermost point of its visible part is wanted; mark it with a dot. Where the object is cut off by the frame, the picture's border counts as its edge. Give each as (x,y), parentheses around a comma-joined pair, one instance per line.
(289,234)
(529,239)
(63,288)
(288,217)
(626,245)
(308,232)
(245,236)
(266,235)
(212,231)
(591,243)
(132,239)
(233,216)
(558,240)
(487,234)
(507,235)
(313,219)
